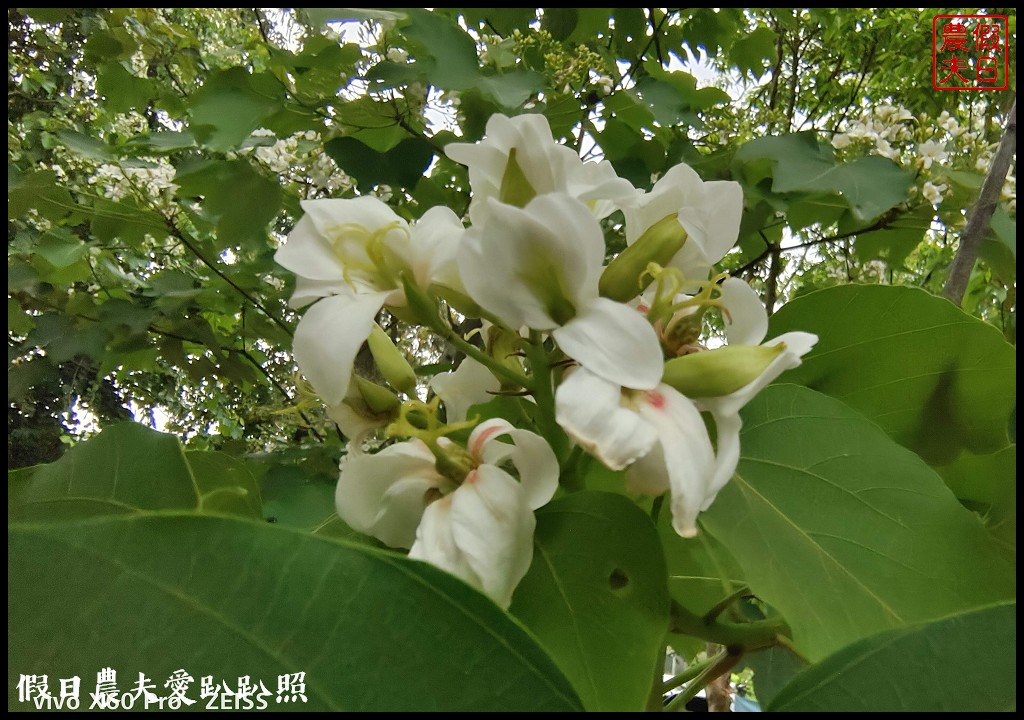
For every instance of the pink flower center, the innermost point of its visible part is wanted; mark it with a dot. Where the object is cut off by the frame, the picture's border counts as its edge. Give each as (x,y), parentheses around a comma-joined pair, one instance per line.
(477,446)
(656,399)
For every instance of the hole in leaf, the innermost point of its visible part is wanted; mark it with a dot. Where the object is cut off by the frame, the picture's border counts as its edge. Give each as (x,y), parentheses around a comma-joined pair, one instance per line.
(618,579)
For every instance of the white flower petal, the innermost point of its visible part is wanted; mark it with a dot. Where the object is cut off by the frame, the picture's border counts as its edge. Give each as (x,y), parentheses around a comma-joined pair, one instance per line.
(710,213)
(470,384)
(433,248)
(531,455)
(529,266)
(597,185)
(589,409)
(713,222)
(384,495)
(544,163)
(548,166)
(492,525)
(677,188)
(369,212)
(747,321)
(435,542)
(355,418)
(614,341)
(308,254)
(686,456)
(328,338)
(727,455)
(307,291)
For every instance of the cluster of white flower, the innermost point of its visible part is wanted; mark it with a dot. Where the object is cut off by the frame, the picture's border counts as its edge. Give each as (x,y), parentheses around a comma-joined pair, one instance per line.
(605,84)
(883,126)
(613,353)
(153,180)
(925,143)
(302,150)
(128,124)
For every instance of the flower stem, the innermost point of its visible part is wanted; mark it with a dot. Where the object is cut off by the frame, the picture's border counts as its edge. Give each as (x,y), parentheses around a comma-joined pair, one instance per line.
(690,673)
(544,394)
(722,663)
(747,636)
(498,368)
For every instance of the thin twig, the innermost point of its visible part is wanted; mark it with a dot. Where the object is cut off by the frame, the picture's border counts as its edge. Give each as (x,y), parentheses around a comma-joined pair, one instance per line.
(654,34)
(640,56)
(175,232)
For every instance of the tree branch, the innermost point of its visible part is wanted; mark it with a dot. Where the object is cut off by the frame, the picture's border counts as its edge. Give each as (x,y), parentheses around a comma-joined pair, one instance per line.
(771,285)
(175,232)
(654,34)
(640,57)
(879,224)
(868,59)
(773,98)
(977,224)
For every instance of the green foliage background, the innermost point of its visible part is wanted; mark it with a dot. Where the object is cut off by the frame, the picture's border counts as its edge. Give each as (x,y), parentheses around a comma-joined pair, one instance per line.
(158,157)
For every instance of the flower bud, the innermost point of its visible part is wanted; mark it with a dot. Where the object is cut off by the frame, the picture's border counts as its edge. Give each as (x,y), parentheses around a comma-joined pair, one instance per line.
(379,400)
(457,300)
(723,371)
(621,279)
(421,307)
(390,361)
(505,346)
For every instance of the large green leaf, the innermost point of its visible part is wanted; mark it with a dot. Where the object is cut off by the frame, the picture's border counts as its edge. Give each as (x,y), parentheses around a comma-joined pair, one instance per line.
(963,663)
(86,146)
(230,105)
(122,89)
(596,597)
(894,242)
(230,598)
(512,89)
(755,52)
(224,484)
(401,166)
(870,185)
(444,51)
(242,199)
(845,532)
(773,668)
(128,469)
(987,484)
(39,190)
(937,379)
(999,249)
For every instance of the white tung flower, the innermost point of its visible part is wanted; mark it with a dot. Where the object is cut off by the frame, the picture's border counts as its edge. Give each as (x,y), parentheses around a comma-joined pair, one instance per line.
(481,529)
(519,159)
(709,213)
(933,192)
(840,141)
(349,257)
(931,152)
(538,267)
(658,435)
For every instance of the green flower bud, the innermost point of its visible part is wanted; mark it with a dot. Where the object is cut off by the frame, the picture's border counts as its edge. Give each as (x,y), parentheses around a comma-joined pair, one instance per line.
(621,279)
(379,400)
(515,188)
(390,361)
(421,307)
(505,346)
(719,372)
(457,300)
